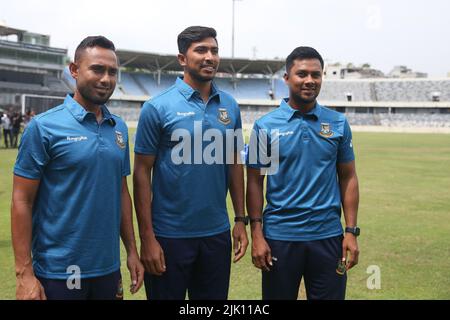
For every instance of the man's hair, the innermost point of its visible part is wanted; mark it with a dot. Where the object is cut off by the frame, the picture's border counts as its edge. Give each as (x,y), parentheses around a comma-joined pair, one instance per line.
(194,34)
(93,41)
(302,53)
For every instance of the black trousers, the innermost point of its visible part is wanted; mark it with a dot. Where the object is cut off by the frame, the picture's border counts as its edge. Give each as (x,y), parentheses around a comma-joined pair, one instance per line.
(107,287)
(314,261)
(198,266)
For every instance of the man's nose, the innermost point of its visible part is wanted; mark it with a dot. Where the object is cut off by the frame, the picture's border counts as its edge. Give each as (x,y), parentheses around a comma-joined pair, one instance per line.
(209,55)
(106,78)
(309,79)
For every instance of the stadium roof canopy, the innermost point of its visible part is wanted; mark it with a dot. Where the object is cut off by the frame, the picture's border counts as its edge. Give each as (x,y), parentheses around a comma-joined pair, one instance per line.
(7,31)
(160,62)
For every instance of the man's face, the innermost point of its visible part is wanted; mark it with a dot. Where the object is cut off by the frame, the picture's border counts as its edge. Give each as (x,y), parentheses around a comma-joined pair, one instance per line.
(304,80)
(96,74)
(201,60)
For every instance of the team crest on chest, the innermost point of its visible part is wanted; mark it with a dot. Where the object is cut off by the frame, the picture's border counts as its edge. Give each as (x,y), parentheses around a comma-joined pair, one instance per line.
(119,140)
(223,116)
(325,130)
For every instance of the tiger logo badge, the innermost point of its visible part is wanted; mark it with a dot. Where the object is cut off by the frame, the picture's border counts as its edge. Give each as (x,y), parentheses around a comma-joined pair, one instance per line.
(325,130)
(119,140)
(223,116)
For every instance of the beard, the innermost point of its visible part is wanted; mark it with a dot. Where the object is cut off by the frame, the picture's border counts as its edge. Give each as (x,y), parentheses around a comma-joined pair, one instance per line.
(89,95)
(199,77)
(301,100)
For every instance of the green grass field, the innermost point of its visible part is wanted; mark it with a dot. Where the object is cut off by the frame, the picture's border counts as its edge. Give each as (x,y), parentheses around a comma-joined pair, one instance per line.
(404,217)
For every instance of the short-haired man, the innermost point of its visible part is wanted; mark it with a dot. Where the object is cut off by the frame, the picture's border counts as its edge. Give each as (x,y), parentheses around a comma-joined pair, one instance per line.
(70,201)
(300,234)
(181,206)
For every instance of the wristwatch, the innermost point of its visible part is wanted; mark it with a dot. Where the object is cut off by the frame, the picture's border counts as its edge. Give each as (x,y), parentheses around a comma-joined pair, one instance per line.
(255,220)
(241,219)
(353,230)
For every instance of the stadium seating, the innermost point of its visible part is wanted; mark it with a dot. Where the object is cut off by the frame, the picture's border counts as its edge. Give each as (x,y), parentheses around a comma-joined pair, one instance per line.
(389,90)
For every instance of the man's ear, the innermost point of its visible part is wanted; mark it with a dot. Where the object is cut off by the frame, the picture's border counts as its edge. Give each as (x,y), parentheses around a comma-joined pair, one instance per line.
(286,77)
(181,59)
(73,68)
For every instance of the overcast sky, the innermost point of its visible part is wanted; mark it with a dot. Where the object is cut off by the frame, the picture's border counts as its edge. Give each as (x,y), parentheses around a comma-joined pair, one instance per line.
(383,33)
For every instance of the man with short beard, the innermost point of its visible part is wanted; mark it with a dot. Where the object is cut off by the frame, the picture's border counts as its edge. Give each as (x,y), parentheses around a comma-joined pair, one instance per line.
(299,233)
(181,207)
(70,202)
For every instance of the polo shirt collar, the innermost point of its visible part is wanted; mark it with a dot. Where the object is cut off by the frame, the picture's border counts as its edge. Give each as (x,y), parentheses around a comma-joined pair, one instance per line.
(187,91)
(79,113)
(289,112)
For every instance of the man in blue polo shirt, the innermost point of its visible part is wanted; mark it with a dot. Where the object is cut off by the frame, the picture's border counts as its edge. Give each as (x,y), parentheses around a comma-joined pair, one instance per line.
(180,194)
(299,234)
(70,200)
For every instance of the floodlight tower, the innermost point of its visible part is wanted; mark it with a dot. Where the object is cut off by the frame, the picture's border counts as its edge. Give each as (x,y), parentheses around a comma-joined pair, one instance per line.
(232,30)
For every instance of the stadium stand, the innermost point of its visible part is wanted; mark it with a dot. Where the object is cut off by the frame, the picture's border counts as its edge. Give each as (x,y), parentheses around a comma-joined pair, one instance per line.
(29,66)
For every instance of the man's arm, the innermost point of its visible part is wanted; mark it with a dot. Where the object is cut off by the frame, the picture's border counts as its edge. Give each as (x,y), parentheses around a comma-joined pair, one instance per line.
(28,286)
(348,183)
(152,255)
(129,241)
(261,254)
(236,178)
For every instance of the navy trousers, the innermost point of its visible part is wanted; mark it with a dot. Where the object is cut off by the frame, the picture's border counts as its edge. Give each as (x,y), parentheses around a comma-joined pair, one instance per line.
(314,261)
(199,267)
(108,287)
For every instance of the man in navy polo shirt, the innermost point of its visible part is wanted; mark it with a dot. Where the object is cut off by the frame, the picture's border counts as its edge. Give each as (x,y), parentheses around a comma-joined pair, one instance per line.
(70,200)
(299,234)
(181,203)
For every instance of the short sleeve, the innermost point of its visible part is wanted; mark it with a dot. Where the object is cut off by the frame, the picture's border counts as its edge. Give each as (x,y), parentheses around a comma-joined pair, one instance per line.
(258,155)
(33,153)
(239,138)
(126,171)
(148,132)
(345,151)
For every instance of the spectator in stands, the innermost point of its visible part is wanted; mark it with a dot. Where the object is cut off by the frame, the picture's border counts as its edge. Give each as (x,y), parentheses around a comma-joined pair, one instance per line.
(181,208)
(299,233)
(7,126)
(76,155)
(16,125)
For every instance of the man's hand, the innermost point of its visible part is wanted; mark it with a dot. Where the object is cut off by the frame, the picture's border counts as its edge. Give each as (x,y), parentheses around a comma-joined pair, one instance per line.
(350,244)
(152,256)
(240,241)
(28,287)
(261,253)
(136,272)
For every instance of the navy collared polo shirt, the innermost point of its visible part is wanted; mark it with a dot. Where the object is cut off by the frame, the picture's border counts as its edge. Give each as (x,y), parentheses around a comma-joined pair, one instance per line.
(77,210)
(303,196)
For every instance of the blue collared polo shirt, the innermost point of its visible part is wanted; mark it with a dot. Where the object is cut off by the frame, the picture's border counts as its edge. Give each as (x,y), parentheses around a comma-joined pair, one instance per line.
(77,210)
(189,196)
(303,196)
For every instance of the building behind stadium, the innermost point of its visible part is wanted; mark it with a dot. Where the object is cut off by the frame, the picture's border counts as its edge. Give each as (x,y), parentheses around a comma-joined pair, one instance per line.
(35,76)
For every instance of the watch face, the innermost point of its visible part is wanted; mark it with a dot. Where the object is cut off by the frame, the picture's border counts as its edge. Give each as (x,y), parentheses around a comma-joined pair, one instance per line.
(354,230)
